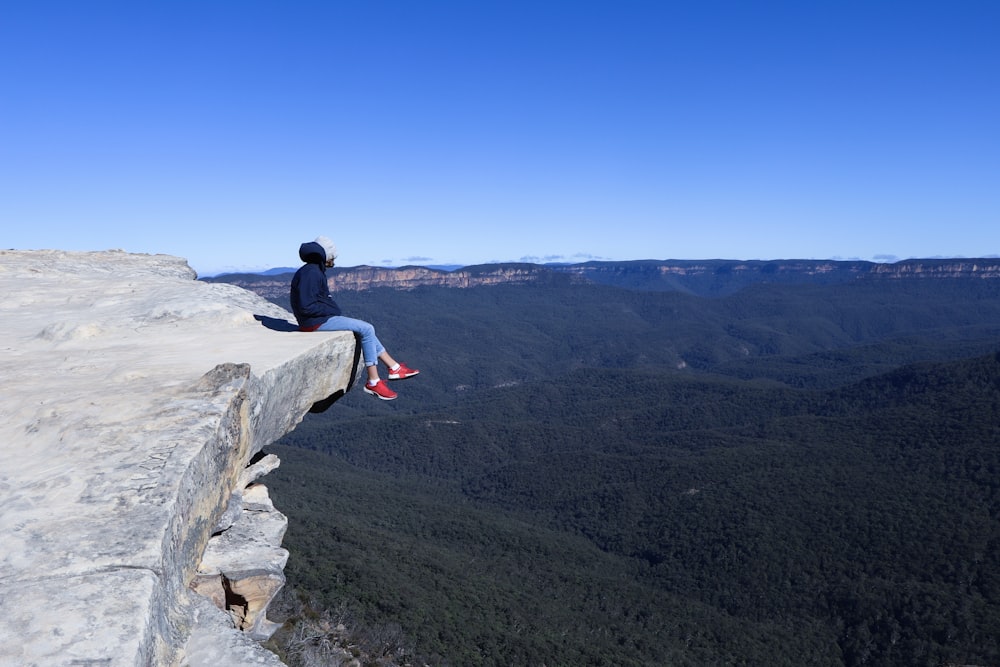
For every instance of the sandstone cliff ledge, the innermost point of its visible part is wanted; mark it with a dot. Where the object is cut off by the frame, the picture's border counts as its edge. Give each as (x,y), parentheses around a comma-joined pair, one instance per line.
(134,400)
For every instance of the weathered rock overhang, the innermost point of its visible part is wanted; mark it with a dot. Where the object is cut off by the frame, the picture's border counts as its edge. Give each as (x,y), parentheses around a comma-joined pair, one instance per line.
(135,404)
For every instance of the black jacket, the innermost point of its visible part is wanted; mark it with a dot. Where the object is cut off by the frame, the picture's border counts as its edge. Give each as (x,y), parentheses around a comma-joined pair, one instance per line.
(311,300)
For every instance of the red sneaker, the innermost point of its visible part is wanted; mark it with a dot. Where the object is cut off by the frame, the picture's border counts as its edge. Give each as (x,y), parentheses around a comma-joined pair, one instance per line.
(402,372)
(380,391)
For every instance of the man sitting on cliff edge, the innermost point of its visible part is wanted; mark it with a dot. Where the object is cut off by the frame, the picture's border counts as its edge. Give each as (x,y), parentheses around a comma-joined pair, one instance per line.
(315,310)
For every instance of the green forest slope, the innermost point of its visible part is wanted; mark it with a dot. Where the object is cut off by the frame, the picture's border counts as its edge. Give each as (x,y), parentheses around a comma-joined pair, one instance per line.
(593,476)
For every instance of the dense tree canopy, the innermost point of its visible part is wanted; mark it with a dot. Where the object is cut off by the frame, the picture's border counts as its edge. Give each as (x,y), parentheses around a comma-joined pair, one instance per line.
(594,476)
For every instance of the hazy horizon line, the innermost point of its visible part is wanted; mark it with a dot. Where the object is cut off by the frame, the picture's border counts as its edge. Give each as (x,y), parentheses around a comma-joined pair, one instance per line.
(454,266)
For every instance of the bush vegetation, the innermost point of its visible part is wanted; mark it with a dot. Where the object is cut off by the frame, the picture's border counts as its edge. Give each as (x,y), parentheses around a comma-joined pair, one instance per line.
(587,475)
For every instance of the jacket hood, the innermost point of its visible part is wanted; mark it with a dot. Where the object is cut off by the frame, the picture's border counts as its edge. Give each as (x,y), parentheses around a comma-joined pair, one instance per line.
(312,253)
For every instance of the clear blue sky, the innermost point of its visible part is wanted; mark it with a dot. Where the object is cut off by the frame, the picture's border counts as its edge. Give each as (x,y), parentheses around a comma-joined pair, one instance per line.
(466,132)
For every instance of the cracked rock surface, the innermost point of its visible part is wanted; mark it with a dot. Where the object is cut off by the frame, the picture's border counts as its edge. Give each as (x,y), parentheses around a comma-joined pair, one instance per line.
(133,400)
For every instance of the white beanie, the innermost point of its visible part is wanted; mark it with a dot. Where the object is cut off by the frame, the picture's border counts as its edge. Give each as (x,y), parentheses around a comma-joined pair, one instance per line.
(328,247)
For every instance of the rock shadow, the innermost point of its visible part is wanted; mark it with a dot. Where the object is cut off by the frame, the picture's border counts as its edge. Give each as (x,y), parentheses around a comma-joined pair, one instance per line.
(274,324)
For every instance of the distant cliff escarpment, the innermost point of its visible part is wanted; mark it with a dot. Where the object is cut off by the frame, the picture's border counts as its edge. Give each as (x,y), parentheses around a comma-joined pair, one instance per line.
(714,277)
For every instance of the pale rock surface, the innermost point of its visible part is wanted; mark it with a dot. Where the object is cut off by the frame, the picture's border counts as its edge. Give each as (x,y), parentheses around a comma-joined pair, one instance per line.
(242,568)
(133,399)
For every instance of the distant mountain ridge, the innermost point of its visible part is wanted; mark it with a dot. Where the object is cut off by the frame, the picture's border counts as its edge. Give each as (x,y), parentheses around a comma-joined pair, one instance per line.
(713,277)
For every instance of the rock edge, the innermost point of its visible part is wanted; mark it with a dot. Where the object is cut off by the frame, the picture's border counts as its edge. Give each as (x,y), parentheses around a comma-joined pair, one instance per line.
(134,400)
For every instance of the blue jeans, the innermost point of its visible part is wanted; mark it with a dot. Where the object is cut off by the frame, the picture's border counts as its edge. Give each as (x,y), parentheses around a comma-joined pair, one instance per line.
(371,347)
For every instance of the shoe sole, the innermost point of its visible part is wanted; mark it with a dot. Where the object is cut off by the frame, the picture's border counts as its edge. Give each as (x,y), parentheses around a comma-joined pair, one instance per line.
(378,395)
(402,377)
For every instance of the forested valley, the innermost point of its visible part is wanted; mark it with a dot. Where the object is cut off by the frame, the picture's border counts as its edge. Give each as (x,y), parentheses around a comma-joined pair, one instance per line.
(590,475)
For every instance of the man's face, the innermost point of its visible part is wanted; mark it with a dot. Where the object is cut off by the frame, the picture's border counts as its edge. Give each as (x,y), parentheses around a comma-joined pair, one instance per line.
(329,263)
